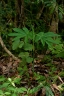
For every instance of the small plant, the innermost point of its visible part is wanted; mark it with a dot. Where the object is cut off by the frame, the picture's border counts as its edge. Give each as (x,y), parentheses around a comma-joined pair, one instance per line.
(39,78)
(26,41)
(22,39)
(8,88)
(56,49)
(47,38)
(48,90)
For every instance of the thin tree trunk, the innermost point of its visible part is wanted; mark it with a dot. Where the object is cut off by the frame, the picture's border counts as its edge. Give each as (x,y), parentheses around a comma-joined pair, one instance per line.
(54,21)
(19,18)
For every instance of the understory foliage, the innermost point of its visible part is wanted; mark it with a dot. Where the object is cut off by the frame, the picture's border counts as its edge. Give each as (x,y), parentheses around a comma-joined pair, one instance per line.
(26,40)
(33,30)
(11,89)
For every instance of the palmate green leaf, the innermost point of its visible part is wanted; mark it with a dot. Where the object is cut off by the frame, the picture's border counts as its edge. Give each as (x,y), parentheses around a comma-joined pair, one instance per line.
(42,35)
(18,30)
(17,34)
(21,44)
(29,60)
(31,35)
(49,44)
(26,31)
(15,44)
(50,41)
(20,33)
(24,54)
(43,41)
(39,36)
(13,34)
(53,41)
(26,39)
(51,34)
(28,47)
(16,38)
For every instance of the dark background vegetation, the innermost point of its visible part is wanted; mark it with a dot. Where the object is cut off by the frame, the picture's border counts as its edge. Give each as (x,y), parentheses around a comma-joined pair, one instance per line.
(41,16)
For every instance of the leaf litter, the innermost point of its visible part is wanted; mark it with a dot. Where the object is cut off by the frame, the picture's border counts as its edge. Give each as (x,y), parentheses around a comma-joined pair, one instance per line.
(8,68)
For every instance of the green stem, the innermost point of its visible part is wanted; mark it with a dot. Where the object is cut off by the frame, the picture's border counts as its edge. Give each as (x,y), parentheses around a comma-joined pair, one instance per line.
(33,50)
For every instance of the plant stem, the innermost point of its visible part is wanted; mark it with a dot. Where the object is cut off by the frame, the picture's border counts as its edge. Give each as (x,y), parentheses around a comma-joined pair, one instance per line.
(33,50)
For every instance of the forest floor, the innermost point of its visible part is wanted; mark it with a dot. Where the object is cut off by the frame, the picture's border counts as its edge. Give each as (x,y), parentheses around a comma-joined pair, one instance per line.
(48,68)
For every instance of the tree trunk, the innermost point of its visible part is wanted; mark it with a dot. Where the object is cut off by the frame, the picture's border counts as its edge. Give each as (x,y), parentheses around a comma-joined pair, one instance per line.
(19,18)
(54,21)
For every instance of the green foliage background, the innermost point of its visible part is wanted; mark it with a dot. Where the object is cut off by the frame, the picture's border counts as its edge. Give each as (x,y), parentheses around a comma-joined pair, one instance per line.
(32,38)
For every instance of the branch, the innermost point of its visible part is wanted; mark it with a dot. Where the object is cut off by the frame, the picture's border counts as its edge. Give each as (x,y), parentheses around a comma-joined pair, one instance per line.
(40,12)
(7,51)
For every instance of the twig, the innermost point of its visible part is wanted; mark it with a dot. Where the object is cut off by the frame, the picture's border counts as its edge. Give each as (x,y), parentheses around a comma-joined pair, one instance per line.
(7,51)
